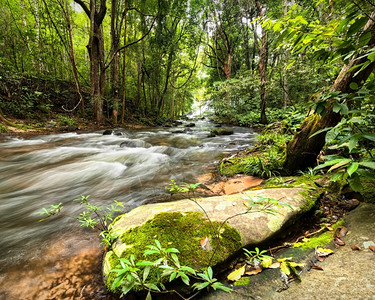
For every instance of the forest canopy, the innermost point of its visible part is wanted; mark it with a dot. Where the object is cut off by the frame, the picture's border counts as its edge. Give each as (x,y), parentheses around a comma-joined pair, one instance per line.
(152,59)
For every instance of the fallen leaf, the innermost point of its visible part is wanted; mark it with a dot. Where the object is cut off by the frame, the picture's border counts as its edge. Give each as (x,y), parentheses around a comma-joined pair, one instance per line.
(266,262)
(321,252)
(236,274)
(275,265)
(257,188)
(372,248)
(205,244)
(341,231)
(339,241)
(254,272)
(315,267)
(355,248)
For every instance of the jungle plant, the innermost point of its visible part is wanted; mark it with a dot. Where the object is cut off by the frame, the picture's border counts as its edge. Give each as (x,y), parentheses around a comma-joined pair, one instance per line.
(153,275)
(260,256)
(95,217)
(353,141)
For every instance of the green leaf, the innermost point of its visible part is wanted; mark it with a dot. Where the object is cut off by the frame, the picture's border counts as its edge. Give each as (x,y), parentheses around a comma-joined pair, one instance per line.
(210,272)
(220,286)
(184,278)
(369,136)
(146,272)
(368,164)
(353,142)
(336,107)
(188,269)
(336,176)
(173,276)
(352,168)
(148,297)
(364,38)
(331,162)
(355,183)
(152,286)
(357,26)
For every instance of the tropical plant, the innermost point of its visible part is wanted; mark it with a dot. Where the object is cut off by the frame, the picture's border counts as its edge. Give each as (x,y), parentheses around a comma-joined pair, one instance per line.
(153,275)
(93,216)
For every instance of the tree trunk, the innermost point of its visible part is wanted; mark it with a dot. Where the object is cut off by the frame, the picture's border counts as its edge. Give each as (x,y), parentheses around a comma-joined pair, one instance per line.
(263,69)
(124,67)
(302,150)
(73,59)
(95,49)
(115,40)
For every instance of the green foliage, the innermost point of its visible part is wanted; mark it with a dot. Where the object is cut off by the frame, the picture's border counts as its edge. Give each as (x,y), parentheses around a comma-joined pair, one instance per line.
(95,217)
(260,256)
(352,139)
(3,128)
(65,121)
(153,275)
(264,159)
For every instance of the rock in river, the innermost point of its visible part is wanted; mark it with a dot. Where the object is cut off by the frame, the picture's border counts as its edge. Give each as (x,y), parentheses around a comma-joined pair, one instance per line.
(183,225)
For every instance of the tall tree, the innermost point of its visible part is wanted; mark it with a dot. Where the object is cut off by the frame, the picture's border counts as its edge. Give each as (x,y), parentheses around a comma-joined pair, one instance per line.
(96,12)
(263,67)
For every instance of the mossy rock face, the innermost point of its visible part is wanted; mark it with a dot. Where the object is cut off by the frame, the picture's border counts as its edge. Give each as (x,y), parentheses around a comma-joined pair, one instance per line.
(183,224)
(177,230)
(368,191)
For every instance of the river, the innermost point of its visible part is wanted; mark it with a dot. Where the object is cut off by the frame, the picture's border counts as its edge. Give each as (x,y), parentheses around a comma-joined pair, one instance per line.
(54,259)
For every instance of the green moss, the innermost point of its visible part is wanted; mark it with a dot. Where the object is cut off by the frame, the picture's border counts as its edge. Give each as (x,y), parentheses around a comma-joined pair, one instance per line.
(319,240)
(368,191)
(184,232)
(243,281)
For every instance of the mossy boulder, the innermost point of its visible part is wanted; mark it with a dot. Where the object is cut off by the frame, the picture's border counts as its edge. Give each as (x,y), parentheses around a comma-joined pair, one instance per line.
(183,224)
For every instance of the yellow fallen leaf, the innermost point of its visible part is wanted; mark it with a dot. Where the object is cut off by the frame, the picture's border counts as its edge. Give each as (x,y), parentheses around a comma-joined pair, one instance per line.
(236,274)
(257,188)
(266,262)
(323,252)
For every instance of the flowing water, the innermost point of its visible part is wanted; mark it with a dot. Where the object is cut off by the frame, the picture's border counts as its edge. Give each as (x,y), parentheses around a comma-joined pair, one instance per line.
(132,167)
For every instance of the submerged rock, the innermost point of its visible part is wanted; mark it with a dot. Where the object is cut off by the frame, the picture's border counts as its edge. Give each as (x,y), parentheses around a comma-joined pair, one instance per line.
(183,224)
(220,131)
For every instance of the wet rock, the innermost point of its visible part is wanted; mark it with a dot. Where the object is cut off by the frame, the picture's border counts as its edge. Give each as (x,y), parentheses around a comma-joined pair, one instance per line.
(190,125)
(220,131)
(107,132)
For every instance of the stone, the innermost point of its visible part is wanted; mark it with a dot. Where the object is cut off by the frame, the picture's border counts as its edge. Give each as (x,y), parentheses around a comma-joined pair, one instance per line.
(107,132)
(220,131)
(241,229)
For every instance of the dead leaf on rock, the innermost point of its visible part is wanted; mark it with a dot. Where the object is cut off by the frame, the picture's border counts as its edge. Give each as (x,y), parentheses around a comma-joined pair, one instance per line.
(315,267)
(236,274)
(341,231)
(275,265)
(254,272)
(205,244)
(355,248)
(339,241)
(372,248)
